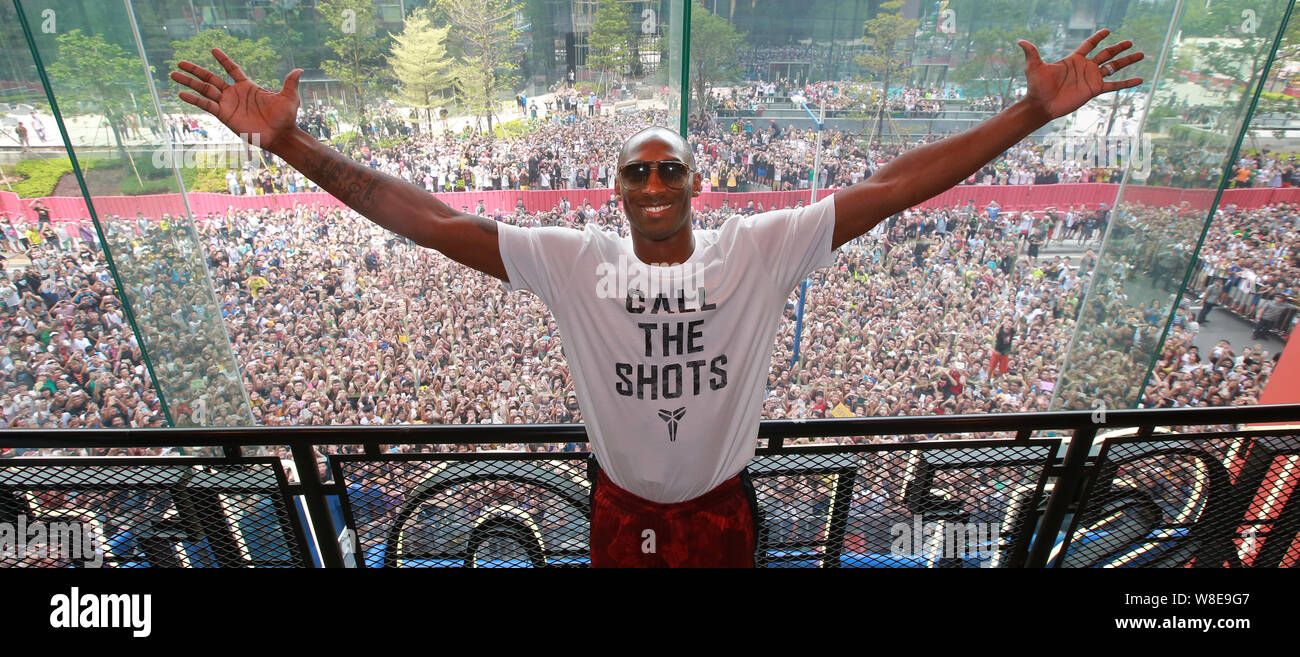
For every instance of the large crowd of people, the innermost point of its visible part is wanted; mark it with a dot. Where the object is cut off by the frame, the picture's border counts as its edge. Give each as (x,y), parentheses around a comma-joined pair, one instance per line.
(907,102)
(1250,267)
(335,321)
(72,360)
(1266,169)
(570,151)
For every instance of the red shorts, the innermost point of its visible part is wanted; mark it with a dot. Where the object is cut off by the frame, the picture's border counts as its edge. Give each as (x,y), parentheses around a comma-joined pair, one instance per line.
(999,362)
(714,530)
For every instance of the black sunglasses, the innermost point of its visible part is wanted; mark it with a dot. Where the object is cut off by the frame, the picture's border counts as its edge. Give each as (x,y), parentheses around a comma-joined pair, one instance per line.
(673,173)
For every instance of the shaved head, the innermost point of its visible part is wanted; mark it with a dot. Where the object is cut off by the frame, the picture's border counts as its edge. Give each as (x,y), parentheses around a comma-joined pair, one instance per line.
(659,213)
(677,146)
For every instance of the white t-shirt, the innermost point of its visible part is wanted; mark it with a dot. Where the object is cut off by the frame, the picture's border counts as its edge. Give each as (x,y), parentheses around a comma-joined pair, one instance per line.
(670,363)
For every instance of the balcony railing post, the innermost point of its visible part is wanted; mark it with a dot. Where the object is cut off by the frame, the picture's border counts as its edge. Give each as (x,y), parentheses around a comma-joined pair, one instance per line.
(1065,491)
(317,508)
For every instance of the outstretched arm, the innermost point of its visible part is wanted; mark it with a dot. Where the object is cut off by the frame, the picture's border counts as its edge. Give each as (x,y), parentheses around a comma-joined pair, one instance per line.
(1054,91)
(269,120)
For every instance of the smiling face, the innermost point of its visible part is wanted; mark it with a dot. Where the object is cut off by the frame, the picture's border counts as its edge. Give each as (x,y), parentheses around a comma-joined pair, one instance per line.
(657,212)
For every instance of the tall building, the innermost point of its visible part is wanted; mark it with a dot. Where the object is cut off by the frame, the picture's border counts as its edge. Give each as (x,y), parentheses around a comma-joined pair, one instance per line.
(560,30)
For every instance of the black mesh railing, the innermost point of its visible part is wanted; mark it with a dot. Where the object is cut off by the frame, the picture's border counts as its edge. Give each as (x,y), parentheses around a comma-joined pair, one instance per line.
(148,513)
(1161,501)
(1167,488)
(427,510)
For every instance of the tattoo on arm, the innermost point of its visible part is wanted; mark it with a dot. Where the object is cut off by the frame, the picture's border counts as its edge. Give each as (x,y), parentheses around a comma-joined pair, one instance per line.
(486,225)
(350,181)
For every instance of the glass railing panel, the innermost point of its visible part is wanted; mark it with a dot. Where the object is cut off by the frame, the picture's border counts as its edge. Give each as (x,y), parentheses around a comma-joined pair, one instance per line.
(818,96)
(1198,113)
(1219,349)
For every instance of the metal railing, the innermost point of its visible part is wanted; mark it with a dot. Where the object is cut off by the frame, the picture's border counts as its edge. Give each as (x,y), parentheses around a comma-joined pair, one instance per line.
(1146,488)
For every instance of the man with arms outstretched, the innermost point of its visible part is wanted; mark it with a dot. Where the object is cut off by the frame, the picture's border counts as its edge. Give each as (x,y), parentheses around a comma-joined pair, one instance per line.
(669,334)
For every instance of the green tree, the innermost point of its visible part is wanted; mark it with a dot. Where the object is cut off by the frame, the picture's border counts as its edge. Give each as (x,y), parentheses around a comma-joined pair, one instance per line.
(715,45)
(888,37)
(486,32)
(996,63)
(258,58)
(278,24)
(421,64)
(611,40)
(639,28)
(1145,26)
(92,76)
(1287,51)
(1239,38)
(357,48)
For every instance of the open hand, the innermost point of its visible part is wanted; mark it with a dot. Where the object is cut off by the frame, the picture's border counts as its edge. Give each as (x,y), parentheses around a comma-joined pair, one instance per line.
(259,116)
(1064,86)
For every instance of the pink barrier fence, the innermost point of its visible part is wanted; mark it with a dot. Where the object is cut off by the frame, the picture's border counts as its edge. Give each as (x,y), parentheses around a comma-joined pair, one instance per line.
(1009,197)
